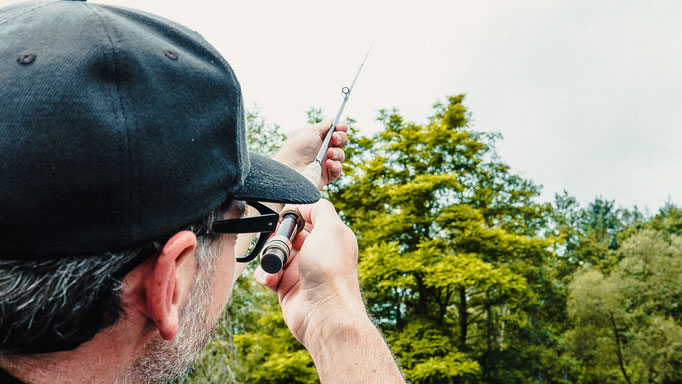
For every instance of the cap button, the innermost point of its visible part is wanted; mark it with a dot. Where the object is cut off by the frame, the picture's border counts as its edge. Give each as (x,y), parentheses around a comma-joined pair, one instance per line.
(171,54)
(26,57)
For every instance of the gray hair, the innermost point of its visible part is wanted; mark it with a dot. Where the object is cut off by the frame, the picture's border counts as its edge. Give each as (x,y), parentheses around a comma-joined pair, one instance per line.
(58,303)
(165,360)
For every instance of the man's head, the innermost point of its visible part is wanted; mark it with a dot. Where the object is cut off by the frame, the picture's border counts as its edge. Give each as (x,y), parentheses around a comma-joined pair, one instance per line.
(121,139)
(61,299)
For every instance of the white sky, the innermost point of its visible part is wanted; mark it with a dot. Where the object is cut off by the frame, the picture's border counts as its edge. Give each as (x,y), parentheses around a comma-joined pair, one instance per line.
(587,94)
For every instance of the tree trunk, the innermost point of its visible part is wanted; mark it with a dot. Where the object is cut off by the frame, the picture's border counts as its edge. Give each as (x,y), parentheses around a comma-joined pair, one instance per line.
(618,350)
(463,319)
(500,339)
(444,306)
(398,313)
(488,323)
(421,303)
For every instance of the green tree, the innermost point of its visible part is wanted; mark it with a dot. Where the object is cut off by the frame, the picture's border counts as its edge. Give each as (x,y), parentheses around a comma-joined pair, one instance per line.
(627,325)
(450,247)
(469,277)
(314,115)
(591,235)
(262,137)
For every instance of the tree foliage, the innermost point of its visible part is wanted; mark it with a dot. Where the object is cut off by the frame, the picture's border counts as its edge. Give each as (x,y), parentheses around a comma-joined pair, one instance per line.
(627,325)
(469,277)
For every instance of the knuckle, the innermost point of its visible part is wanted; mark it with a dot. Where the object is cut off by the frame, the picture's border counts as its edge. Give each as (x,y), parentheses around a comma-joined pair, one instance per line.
(348,234)
(326,204)
(340,231)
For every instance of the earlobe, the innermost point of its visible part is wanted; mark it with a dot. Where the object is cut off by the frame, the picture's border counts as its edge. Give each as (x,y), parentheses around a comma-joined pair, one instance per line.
(169,282)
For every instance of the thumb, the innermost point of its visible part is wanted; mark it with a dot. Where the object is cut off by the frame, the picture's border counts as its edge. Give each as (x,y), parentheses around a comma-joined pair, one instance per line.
(322,127)
(313,172)
(319,214)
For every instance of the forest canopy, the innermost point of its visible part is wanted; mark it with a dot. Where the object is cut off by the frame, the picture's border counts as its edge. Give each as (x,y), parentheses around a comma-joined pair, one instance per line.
(469,276)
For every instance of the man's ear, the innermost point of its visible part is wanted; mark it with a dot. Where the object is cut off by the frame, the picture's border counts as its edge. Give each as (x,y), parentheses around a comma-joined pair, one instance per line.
(169,282)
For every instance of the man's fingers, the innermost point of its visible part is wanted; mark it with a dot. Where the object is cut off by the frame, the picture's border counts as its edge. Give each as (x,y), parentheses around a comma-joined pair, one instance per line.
(322,127)
(319,213)
(336,154)
(339,139)
(269,280)
(334,170)
(341,127)
(297,243)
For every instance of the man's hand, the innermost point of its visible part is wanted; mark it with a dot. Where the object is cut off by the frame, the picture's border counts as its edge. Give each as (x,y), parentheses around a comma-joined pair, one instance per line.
(318,289)
(321,303)
(320,280)
(302,146)
(297,152)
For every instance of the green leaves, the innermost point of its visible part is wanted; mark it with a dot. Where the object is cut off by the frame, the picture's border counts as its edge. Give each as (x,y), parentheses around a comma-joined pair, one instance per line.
(628,323)
(262,137)
(384,268)
(469,270)
(427,356)
(470,278)
(446,236)
(439,369)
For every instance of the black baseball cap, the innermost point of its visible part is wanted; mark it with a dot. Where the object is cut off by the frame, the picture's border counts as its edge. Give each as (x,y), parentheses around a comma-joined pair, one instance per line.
(118,127)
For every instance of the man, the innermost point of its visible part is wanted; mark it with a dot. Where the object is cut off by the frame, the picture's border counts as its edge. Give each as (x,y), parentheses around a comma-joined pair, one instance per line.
(124,175)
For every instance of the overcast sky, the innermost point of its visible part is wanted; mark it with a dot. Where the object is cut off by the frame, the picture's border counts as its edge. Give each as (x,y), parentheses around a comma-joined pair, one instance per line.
(587,94)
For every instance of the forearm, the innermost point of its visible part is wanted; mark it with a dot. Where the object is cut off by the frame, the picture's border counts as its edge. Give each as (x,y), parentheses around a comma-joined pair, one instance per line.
(322,305)
(353,352)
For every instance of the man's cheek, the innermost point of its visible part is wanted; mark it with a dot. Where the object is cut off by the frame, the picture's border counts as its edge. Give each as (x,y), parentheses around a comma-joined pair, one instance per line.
(222,283)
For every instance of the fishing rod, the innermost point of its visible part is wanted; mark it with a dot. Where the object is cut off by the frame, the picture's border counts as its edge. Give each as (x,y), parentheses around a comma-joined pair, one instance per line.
(276,251)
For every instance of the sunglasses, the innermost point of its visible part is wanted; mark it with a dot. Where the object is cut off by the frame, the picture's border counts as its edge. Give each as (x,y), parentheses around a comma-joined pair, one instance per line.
(264,225)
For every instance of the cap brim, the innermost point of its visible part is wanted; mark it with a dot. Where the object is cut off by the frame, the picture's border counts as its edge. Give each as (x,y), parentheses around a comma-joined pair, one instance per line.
(271,181)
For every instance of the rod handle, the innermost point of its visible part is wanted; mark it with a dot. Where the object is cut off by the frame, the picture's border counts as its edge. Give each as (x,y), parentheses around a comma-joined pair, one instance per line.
(276,251)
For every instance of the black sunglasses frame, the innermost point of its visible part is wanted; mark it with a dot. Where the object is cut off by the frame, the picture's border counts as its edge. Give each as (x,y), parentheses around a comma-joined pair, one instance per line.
(265,224)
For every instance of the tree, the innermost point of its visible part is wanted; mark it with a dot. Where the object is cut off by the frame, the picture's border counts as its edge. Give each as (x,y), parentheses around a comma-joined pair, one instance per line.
(627,326)
(262,137)
(450,245)
(469,277)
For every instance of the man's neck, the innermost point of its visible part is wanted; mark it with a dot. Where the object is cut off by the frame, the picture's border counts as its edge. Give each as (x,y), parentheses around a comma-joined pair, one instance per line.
(104,359)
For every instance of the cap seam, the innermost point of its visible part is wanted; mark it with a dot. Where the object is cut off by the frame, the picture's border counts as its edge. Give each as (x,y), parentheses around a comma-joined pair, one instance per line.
(126,149)
(133,150)
(241,140)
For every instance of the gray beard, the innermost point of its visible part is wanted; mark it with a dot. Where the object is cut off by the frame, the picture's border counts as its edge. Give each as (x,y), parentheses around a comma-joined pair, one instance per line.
(164,360)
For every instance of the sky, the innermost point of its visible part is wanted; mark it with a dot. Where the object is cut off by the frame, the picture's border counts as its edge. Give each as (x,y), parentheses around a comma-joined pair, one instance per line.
(587,94)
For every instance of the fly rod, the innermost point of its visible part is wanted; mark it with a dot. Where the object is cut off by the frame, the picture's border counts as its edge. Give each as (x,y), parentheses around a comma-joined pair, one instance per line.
(277,249)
